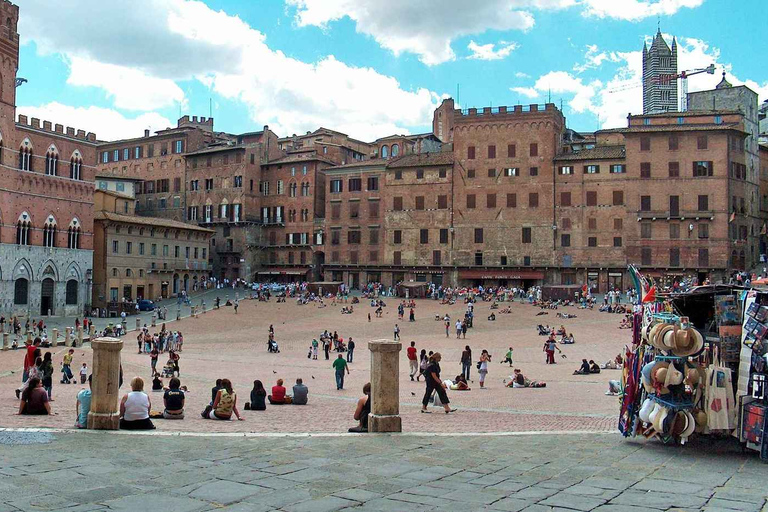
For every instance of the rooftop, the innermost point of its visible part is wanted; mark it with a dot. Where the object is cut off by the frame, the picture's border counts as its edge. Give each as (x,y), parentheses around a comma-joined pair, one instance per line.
(612,152)
(147,221)
(679,128)
(301,157)
(358,165)
(687,113)
(423,159)
(216,149)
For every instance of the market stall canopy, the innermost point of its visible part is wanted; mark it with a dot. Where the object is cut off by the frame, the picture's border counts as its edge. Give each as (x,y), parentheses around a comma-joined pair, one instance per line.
(283,271)
(413,289)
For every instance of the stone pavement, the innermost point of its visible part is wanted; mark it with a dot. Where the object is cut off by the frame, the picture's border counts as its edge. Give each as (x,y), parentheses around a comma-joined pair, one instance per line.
(92,471)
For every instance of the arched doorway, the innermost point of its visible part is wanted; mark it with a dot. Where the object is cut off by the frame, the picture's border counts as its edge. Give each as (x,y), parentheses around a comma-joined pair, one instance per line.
(175,283)
(46,296)
(186,283)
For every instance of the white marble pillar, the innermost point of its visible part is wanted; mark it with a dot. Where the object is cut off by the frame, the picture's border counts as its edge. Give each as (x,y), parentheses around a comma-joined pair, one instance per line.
(385,386)
(105,385)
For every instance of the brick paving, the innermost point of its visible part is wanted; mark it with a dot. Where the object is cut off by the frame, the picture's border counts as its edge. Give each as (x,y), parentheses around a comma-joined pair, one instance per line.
(222,344)
(85,471)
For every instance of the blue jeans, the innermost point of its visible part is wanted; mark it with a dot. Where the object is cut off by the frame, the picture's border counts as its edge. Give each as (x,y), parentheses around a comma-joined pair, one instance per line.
(349,354)
(339,379)
(465,369)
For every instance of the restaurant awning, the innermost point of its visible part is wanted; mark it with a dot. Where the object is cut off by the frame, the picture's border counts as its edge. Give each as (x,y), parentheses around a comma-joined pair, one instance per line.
(500,274)
(283,271)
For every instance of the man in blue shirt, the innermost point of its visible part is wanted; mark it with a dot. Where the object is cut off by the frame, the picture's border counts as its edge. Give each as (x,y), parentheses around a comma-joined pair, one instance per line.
(83,405)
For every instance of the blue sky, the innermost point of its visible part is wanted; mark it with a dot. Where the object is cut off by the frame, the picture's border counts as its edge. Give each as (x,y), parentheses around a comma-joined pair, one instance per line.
(366,67)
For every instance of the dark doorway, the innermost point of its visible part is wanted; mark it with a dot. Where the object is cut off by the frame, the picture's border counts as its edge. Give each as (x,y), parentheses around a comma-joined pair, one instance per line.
(46,296)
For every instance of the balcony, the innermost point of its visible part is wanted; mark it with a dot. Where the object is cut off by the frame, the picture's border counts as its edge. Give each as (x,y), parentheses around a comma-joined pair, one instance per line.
(680,215)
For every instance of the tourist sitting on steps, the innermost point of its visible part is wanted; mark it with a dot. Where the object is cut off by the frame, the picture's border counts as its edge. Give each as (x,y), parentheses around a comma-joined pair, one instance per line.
(278,396)
(34,399)
(135,407)
(173,400)
(363,410)
(224,404)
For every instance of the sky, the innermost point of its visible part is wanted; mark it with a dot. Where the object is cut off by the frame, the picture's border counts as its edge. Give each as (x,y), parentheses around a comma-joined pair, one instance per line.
(368,68)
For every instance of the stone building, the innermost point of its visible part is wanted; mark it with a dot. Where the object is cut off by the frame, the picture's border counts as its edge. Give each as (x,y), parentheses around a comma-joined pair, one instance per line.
(46,201)
(159,161)
(659,76)
(354,222)
(139,257)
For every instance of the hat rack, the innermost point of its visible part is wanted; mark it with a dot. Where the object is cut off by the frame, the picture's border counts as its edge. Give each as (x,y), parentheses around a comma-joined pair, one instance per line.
(674,405)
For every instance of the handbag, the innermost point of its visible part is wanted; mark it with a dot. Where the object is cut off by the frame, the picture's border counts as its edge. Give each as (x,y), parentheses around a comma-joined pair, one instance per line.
(478,365)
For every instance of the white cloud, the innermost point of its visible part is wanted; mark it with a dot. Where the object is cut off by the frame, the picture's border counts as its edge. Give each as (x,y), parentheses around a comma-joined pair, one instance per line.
(490,51)
(106,123)
(177,40)
(420,26)
(131,88)
(635,10)
(520,74)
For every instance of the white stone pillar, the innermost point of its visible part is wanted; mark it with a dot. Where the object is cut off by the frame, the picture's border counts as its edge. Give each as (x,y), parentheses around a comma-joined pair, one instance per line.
(54,337)
(6,340)
(68,337)
(105,385)
(138,323)
(79,336)
(385,386)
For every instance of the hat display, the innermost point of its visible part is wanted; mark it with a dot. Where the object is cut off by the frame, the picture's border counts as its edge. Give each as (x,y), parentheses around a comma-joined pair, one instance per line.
(668,340)
(673,377)
(658,340)
(700,418)
(652,331)
(678,424)
(659,420)
(690,427)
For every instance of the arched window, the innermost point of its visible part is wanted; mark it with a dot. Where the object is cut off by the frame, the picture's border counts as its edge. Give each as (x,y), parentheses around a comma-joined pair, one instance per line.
(128,273)
(49,232)
(395,150)
(76,167)
(21,291)
(25,159)
(51,163)
(73,234)
(22,229)
(71,298)
(384,151)
(114,272)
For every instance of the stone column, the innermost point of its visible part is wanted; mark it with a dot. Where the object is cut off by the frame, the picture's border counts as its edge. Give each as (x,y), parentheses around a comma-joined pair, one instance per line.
(154,319)
(105,385)
(6,340)
(385,386)
(68,337)
(79,336)
(55,338)
(138,323)
(91,330)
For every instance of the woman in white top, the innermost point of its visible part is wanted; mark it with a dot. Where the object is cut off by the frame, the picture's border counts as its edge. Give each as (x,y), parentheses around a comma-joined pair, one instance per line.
(135,407)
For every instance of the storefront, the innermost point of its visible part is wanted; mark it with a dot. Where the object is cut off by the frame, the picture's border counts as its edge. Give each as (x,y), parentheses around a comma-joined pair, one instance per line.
(282,275)
(500,277)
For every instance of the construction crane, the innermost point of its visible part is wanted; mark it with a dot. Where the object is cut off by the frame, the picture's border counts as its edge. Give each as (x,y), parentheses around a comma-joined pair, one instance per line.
(665,79)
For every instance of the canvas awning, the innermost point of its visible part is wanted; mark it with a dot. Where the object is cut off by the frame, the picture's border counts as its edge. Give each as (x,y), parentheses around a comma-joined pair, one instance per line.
(500,274)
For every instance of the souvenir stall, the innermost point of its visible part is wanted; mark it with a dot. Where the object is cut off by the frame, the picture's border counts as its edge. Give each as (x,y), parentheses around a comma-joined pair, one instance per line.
(675,383)
(752,390)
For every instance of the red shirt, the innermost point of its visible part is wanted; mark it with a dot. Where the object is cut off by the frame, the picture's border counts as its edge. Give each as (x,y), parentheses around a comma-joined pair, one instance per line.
(278,393)
(411,353)
(29,359)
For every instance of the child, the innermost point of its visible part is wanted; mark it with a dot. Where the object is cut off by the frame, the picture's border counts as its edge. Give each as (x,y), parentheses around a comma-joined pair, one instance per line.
(508,357)
(83,373)
(66,368)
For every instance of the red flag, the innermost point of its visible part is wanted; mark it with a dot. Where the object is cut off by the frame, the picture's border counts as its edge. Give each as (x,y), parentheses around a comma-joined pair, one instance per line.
(650,296)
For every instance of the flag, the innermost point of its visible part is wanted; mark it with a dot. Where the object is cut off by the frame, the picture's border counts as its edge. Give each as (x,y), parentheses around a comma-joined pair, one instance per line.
(733,217)
(650,296)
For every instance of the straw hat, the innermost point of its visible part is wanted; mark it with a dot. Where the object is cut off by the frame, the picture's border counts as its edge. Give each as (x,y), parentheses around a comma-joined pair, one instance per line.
(658,340)
(692,376)
(690,427)
(688,343)
(668,339)
(700,418)
(659,375)
(654,412)
(646,409)
(678,424)
(673,377)
(650,332)
(659,422)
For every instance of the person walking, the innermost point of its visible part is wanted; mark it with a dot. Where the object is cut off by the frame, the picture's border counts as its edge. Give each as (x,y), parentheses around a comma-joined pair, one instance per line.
(397,332)
(423,363)
(350,349)
(485,358)
(340,365)
(508,357)
(314,349)
(458,329)
(464,326)
(466,361)
(549,347)
(326,347)
(447,328)
(153,355)
(434,384)
(412,360)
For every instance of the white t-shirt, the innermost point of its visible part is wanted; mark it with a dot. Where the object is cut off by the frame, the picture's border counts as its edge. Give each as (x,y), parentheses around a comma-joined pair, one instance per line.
(136,406)
(84,370)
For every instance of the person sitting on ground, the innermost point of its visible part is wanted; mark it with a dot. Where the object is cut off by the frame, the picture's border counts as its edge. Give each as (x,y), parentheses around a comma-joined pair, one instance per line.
(459,384)
(584,369)
(616,364)
(173,400)
(225,403)
(614,388)
(363,410)
(593,367)
(157,384)
(568,340)
(258,397)
(561,331)
(278,396)
(300,393)
(34,399)
(83,406)
(135,407)
(521,381)
(626,322)
(492,317)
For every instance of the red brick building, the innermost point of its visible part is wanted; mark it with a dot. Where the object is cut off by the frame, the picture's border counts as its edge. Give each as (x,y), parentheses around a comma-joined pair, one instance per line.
(46,201)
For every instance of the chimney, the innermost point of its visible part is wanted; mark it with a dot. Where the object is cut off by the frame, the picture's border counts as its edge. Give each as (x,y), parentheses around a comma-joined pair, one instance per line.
(146,133)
